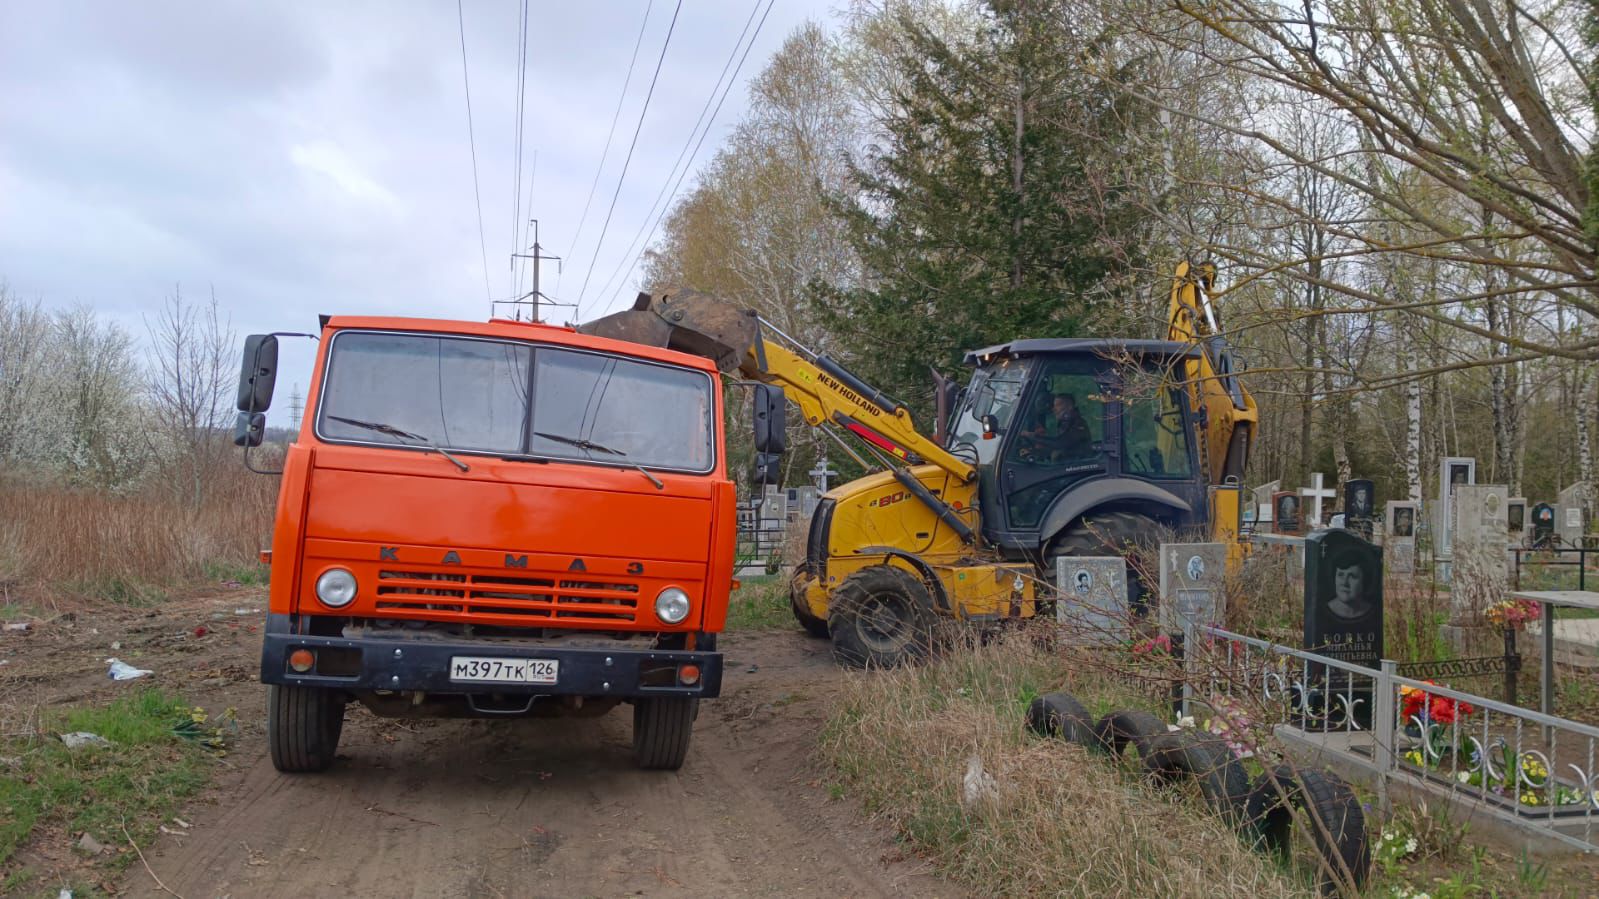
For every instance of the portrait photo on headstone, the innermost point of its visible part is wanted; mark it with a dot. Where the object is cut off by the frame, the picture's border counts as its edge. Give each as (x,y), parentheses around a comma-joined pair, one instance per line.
(1404,522)
(1286,513)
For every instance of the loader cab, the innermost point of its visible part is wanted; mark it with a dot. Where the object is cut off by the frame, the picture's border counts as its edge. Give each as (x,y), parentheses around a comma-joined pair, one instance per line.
(1062,427)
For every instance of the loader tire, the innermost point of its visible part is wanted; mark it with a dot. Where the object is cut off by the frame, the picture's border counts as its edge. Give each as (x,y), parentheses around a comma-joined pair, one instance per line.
(880,617)
(813,625)
(662,727)
(1116,730)
(1061,715)
(303,727)
(1222,781)
(1106,534)
(1332,812)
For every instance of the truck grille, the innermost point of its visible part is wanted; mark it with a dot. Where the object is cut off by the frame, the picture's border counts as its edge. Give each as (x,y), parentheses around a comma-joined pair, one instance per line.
(467,596)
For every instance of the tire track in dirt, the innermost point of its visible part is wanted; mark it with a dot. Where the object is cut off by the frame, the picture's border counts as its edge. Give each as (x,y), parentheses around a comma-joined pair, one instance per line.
(536,808)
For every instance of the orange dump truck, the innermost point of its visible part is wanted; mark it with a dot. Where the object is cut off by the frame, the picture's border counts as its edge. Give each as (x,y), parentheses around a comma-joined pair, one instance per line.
(493,519)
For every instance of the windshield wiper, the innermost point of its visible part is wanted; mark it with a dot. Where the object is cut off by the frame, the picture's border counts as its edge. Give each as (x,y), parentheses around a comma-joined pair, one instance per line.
(585,444)
(398,434)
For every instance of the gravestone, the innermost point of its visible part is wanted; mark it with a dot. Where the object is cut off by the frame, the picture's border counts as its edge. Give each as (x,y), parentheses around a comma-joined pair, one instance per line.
(1285,517)
(1314,495)
(1453,471)
(1343,619)
(1516,520)
(1191,585)
(1481,574)
(1543,526)
(1360,504)
(1570,520)
(1399,536)
(1261,499)
(1092,599)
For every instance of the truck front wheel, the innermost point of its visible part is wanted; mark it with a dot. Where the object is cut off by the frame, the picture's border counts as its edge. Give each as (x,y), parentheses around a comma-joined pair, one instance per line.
(303,727)
(661,729)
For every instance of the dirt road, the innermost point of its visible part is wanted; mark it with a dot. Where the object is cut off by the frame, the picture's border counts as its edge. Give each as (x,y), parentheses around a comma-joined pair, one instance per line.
(494,808)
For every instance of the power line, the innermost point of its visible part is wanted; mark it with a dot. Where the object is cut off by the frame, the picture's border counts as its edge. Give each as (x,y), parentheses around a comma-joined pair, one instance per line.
(482,243)
(624,266)
(517,148)
(615,116)
(630,148)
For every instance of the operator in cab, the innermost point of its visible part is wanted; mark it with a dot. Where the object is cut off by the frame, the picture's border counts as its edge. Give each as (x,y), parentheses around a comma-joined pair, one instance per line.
(1059,434)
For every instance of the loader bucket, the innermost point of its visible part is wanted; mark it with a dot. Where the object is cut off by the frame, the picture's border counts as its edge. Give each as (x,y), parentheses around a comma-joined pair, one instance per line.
(686,321)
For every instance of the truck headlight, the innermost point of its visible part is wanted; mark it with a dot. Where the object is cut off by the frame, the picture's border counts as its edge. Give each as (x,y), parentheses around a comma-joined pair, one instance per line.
(672,605)
(336,588)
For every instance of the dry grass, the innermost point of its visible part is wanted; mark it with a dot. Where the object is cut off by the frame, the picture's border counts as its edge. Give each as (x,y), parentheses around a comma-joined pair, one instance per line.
(1064,822)
(59,542)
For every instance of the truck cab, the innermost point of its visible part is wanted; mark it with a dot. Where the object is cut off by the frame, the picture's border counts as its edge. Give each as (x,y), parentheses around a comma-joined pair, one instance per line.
(494,519)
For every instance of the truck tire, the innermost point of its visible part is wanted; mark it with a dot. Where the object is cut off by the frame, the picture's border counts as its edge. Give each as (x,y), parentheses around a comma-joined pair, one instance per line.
(1118,729)
(303,727)
(1061,715)
(662,727)
(814,626)
(1222,781)
(1105,534)
(880,617)
(1337,822)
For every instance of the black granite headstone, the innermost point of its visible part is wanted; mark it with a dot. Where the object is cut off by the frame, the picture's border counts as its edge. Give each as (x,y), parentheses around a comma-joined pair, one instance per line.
(1285,505)
(1360,501)
(1543,526)
(1344,615)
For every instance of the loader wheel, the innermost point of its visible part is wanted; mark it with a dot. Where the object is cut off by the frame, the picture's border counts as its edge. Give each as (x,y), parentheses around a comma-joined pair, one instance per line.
(1106,534)
(814,626)
(662,727)
(303,727)
(880,617)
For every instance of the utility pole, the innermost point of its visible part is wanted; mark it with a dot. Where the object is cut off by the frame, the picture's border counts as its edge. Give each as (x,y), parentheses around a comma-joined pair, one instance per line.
(535,294)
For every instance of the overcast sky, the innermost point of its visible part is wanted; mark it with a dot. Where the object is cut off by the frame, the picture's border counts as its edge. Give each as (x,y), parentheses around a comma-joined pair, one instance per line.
(314,157)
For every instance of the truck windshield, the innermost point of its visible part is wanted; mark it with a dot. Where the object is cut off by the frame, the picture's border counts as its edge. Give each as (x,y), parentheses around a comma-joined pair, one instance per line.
(995,390)
(517,399)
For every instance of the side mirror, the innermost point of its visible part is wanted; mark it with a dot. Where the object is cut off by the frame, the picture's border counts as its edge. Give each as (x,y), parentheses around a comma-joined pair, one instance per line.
(771,420)
(990,426)
(249,429)
(766,469)
(258,374)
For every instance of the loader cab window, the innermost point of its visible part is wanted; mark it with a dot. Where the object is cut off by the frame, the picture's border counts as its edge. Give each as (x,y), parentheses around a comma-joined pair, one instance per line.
(1155,442)
(1057,440)
(995,390)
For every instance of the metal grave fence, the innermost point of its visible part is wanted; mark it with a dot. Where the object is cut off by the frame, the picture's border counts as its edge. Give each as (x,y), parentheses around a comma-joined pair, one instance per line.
(1540,769)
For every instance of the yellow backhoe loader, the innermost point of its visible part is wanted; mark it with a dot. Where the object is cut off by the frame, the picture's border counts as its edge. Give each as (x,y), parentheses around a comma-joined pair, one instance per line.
(1055,447)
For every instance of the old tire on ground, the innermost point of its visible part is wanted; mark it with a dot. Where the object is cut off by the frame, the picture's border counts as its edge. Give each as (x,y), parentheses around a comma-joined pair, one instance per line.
(1116,730)
(880,617)
(303,727)
(1105,534)
(1061,715)
(662,726)
(1337,822)
(813,625)
(1222,781)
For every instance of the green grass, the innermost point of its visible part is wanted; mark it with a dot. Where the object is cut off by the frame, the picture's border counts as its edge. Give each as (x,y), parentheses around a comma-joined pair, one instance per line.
(247,575)
(761,604)
(157,758)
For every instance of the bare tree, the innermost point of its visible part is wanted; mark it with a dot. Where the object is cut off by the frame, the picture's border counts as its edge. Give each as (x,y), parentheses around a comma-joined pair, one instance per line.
(189,386)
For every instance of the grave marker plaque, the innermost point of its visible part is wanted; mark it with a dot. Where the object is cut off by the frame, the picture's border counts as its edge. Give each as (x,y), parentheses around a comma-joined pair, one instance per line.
(1285,512)
(1360,502)
(1092,599)
(1453,471)
(1191,585)
(1543,526)
(1399,536)
(1343,619)
(1482,573)
(1570,521)
(1516,520)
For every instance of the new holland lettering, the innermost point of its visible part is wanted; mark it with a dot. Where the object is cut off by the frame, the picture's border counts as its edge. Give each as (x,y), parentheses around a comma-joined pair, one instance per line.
(849,394)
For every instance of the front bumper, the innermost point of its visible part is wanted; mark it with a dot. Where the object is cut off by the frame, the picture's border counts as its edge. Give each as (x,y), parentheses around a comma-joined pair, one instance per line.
(416,665)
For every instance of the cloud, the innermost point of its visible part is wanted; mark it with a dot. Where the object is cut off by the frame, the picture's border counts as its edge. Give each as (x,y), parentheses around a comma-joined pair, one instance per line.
(326,159)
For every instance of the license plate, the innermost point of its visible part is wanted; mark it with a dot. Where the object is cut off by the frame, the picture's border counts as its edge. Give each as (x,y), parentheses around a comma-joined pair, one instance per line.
(503,671)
